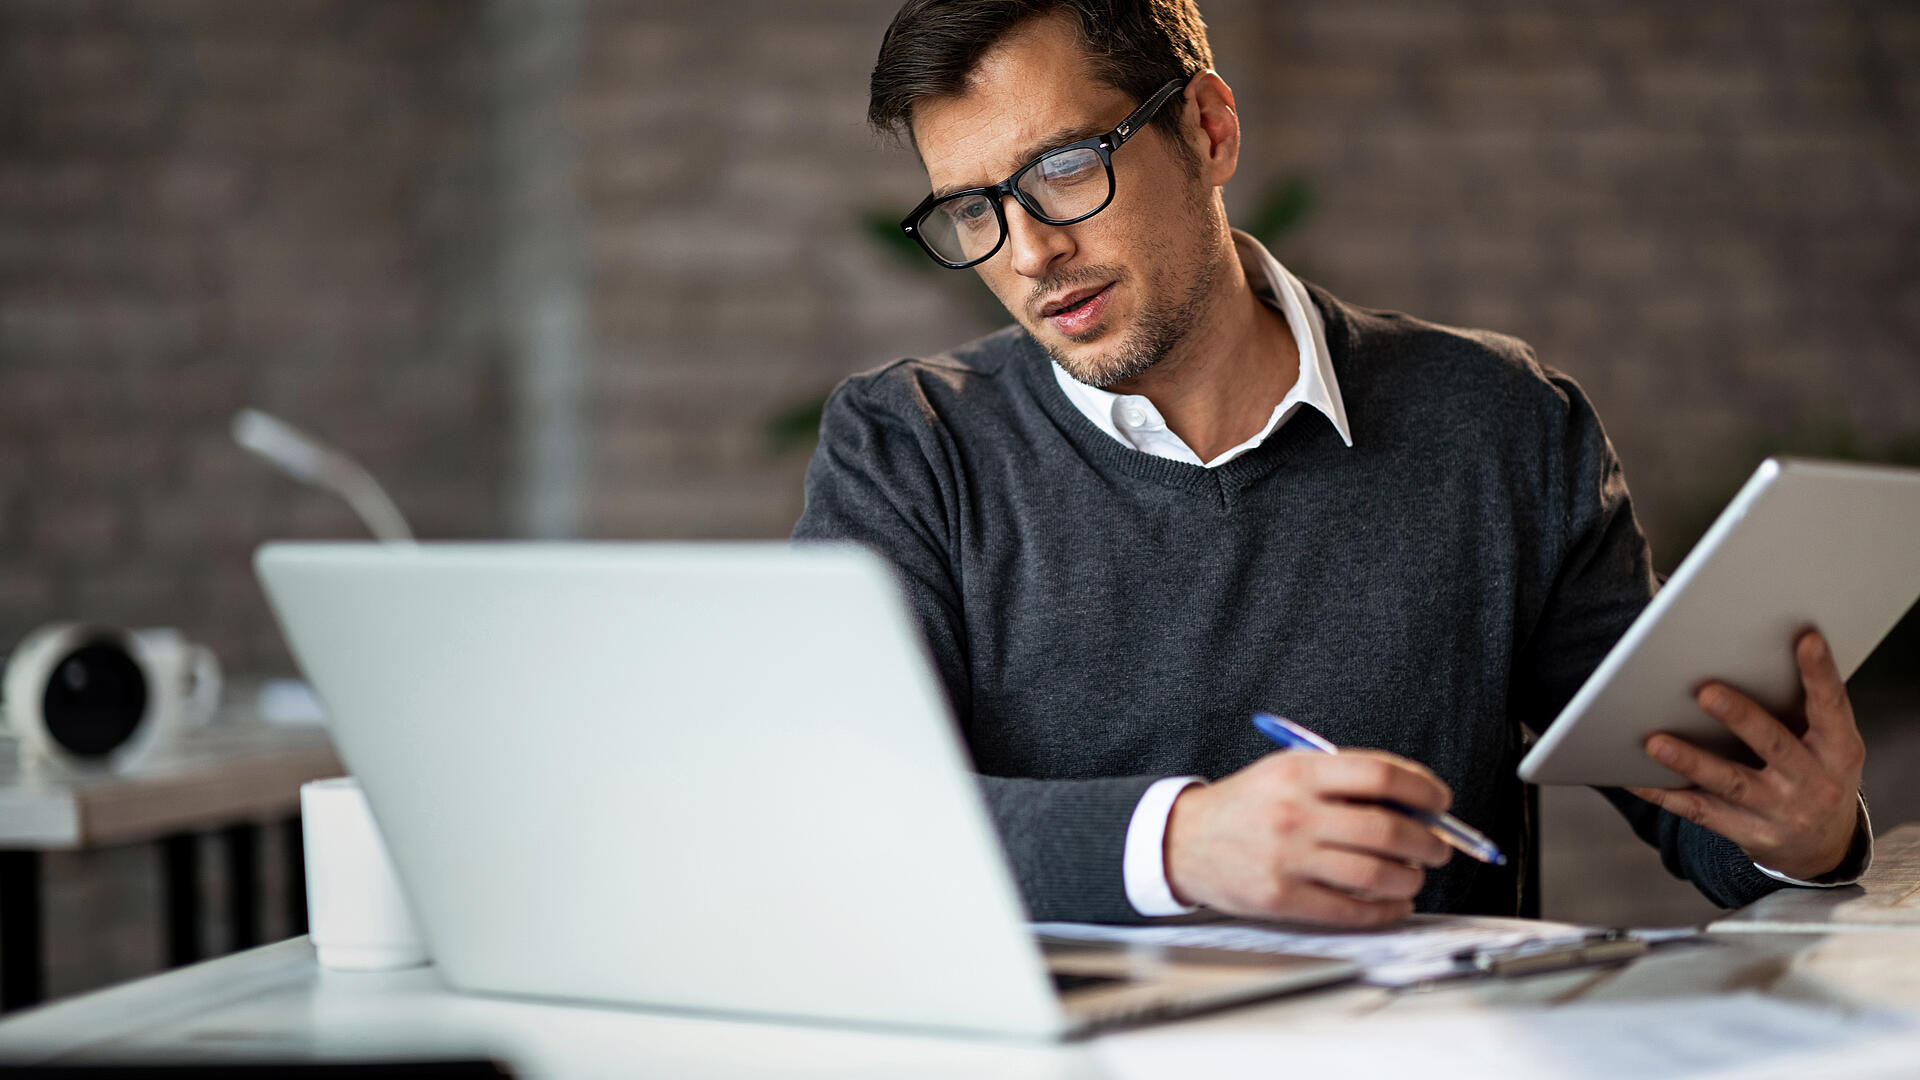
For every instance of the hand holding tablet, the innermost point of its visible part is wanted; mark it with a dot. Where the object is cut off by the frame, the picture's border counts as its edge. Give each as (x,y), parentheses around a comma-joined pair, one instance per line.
(1795,815)
(1731,685)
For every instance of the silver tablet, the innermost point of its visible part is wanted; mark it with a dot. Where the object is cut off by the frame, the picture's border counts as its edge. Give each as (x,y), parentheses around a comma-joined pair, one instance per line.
(1805,544)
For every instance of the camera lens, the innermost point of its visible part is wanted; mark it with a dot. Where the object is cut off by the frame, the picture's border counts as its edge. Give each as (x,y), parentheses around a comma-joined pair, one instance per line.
(94,700)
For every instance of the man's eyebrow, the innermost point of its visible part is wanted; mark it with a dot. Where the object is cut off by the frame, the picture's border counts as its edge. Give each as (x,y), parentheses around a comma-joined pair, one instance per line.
(1055,138)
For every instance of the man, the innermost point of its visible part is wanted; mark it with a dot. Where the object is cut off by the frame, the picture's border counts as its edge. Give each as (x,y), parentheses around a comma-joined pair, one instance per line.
(1185,486)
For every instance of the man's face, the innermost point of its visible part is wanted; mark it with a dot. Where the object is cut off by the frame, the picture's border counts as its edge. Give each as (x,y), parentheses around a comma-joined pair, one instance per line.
(1108,297)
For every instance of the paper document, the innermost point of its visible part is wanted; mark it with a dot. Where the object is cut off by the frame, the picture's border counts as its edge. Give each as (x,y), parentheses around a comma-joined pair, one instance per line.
(1726,1036)
(1416,949)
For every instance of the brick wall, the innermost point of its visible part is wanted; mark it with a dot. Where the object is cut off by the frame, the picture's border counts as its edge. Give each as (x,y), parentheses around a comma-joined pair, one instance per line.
(725,171)
(207,205)
(1709,213)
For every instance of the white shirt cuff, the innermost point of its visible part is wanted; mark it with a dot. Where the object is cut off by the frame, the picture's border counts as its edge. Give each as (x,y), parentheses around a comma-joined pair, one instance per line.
(1143,864)
(1865,823)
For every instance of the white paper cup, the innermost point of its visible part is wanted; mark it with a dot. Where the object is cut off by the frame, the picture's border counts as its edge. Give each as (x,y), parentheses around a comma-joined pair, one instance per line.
(357,916)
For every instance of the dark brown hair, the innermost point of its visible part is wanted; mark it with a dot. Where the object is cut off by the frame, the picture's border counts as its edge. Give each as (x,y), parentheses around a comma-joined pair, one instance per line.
(1134,46)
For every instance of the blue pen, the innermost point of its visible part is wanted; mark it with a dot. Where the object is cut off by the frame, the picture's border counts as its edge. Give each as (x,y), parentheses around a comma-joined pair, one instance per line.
(1457,834)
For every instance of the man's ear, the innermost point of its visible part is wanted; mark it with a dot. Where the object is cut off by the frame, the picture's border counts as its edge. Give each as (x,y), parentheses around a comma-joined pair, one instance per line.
(1211,127)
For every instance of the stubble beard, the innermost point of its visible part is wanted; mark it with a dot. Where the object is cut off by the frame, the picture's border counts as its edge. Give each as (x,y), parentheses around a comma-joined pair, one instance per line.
(1162,323)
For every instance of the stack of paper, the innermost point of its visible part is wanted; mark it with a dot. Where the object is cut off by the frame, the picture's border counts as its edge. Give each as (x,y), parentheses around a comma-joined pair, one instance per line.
(1722,1036)
(1414,950)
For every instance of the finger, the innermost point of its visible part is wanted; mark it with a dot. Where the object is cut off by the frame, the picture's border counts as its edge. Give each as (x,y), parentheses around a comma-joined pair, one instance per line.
(1763,732)
(1710,812)
(1310,901)
(1731,781)
(1379,832)
(1366,774)
(1830,722)
(1366,876)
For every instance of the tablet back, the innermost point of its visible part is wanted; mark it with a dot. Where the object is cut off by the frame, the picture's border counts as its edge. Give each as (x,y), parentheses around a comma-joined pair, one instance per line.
(1805,544)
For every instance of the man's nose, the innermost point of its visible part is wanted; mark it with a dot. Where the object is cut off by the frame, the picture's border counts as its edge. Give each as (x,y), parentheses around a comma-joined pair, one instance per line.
(1035,246)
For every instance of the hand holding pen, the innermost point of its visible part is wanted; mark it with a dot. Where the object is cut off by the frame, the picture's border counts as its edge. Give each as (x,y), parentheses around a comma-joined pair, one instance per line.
(1308,837)
(1448,829)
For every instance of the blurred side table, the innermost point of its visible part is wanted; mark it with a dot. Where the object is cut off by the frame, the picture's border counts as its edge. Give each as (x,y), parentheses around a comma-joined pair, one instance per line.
(225,776)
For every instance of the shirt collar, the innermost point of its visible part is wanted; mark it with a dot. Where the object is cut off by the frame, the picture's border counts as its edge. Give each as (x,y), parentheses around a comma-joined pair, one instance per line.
(1133,421)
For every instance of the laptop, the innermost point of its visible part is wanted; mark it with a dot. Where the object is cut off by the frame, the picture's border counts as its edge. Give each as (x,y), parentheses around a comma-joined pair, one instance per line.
(715,777)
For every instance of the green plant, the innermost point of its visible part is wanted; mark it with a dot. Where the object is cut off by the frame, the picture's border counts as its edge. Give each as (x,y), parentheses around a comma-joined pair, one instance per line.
(1284,208)
(795,426)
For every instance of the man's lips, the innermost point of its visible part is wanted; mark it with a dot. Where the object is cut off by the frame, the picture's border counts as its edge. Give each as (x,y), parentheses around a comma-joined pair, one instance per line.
(1078,296)
(1080,313)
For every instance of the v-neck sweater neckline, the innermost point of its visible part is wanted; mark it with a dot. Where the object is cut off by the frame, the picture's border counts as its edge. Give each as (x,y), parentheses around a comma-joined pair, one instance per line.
(1221,482)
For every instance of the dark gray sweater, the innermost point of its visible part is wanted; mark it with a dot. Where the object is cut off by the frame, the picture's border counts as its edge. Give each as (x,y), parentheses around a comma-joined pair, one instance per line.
(1103,617)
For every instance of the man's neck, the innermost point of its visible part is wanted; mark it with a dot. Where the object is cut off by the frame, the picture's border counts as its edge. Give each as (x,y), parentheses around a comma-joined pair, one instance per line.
(1219,387)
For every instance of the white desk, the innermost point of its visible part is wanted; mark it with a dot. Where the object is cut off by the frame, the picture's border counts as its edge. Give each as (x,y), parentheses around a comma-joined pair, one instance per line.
(274,1003)
(229,775)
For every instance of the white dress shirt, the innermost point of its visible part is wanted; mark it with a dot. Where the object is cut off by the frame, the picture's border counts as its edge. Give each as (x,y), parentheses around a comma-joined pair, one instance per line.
(1133,421)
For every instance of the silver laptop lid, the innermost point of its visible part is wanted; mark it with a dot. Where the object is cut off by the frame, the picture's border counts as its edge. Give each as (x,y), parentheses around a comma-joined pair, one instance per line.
(704,776)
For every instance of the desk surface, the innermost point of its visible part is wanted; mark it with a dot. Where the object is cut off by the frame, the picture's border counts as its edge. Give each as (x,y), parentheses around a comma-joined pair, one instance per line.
(1889,896)
(1851,998)
(224,772)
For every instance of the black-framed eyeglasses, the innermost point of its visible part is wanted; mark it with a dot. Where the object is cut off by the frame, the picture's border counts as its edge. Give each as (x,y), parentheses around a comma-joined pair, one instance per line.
(1067,184)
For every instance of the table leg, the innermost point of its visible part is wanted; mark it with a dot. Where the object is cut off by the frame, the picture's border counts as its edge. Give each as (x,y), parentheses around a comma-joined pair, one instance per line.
(242,844)
(23,973)
(181,855)
(293,847)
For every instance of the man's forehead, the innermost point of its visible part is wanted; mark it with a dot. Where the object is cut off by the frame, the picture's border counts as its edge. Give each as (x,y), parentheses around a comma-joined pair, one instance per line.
(1025,91)
(979,139)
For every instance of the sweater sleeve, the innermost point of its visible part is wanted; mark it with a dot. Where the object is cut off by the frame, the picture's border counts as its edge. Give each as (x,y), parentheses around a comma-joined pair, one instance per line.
(886,474)
(1602,579)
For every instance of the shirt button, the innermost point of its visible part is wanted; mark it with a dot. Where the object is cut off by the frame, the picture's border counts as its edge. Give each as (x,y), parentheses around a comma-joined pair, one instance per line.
(1134,417)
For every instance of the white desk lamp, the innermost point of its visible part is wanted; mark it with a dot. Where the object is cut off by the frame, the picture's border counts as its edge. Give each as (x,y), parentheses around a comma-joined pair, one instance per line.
(311,461)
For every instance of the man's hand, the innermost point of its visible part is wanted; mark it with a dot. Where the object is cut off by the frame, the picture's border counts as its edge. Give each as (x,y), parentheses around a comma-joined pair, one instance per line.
(1797,814)
(1292,836)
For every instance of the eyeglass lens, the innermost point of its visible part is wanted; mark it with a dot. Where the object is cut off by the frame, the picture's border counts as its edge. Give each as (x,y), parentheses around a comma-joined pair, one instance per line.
(1062,186)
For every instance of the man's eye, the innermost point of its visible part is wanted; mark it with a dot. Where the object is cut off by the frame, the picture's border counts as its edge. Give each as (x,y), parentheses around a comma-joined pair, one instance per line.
(969,212)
